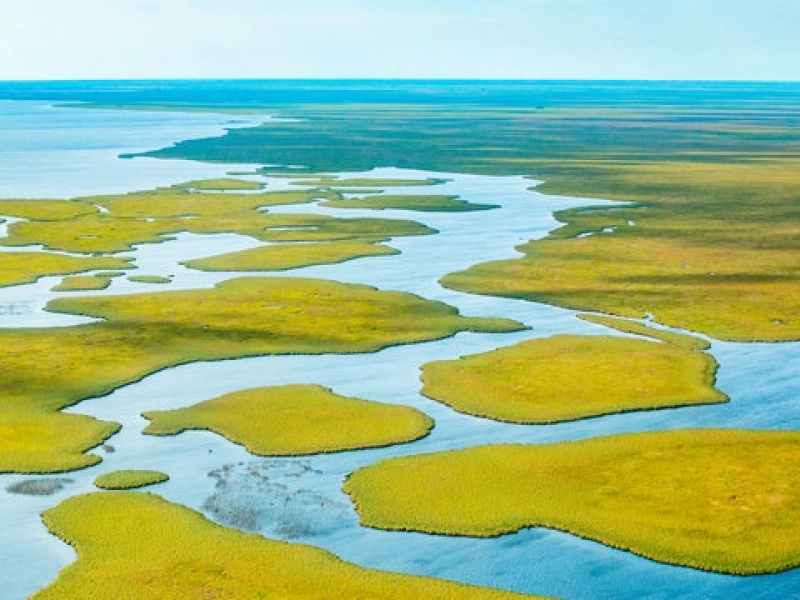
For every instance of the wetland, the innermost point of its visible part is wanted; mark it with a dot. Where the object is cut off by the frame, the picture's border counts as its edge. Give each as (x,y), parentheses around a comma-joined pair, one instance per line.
(423,253)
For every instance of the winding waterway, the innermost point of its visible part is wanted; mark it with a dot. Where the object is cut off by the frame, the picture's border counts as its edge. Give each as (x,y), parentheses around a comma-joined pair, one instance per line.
(301,499)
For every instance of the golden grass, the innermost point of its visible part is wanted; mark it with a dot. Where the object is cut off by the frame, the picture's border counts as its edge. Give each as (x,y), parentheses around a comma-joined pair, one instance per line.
(220,184)
(281,257)
(422,203)
(135,545)
(82,283)
(26,267)
(718,500)
(45,370)
(129,479)
(715,250)
(569,377)
(295,420)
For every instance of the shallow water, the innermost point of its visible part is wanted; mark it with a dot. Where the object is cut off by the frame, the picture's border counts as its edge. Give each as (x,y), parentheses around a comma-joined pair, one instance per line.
(300,499)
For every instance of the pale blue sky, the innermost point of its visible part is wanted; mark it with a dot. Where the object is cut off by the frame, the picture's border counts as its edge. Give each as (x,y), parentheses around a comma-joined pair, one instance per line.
(594,39)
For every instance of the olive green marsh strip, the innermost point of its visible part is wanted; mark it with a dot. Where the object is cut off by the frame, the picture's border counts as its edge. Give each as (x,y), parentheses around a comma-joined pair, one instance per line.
(716,500)
(135,545)
(281,257)
(415,202)
(295,420)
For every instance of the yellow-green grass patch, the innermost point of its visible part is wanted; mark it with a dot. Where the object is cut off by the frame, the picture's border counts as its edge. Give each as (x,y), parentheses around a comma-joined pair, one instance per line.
(45,210)
(627,326)
(281,257)
(295,420)
(569,377)
(717,500)
(422,203)
(26,267)
(221,184)
(136,545)
(45,370)
(129,479)
(82,283)
(148,279)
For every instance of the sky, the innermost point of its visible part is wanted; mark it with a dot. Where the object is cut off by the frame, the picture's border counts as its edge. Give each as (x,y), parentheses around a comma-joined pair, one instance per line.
(496,39)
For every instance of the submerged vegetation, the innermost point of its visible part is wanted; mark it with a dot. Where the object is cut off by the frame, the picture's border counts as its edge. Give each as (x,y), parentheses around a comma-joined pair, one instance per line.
(295,420)
(129,479)
(718,500)
(568,377)
(48,369)
(135,545)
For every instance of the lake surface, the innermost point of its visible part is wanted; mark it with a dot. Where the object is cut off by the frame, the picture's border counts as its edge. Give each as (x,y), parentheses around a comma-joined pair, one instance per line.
(48,151)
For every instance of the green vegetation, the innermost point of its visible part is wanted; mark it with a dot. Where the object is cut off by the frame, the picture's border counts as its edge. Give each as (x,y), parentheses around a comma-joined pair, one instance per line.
(134,545)
(364,182)
(295,420)
(281,257)
(155,216)
(426,203)
(221,184)
(129,480)
(568,377)
(148,279)
(45,370)
(82,283)
(26,267)
(711,244)
(45,210)
(626,326)
(718,500)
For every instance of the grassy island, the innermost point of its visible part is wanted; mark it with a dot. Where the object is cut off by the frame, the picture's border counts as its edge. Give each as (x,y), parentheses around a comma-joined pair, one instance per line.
(82,283)
(421,203)
(718,500)
(281,257)
(48,369)
(26,267)
(129,480)
(135,545)
(295,420)
(568,377)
